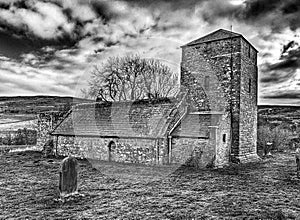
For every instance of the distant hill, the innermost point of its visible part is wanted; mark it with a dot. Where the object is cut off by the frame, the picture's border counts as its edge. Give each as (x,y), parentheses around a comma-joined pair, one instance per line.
(30,105)
(279,114)
(35,104)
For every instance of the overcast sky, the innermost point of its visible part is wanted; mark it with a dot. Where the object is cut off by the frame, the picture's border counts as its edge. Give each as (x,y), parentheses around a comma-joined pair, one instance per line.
(49,47)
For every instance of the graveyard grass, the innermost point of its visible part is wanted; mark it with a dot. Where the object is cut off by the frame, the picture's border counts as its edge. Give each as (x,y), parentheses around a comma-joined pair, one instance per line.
(265,190)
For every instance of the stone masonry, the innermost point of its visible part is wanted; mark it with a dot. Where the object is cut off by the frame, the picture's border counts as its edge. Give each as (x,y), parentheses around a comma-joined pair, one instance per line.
(47,121)
(212,122)
(229,61)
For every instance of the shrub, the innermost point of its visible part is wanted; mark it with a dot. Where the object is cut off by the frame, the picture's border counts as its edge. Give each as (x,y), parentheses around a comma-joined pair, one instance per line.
(279,138)
(264,135)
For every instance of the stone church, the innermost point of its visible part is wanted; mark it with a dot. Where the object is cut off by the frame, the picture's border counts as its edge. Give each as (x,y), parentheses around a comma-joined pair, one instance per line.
(212,122)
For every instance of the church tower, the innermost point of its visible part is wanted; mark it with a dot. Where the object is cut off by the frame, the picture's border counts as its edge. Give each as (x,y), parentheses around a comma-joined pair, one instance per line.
(219,71)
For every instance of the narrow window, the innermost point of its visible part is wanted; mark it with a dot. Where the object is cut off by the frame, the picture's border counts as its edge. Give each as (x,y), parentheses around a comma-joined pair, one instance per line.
(206,82)
(208,134)
(224,138)
(111,149)
(249,51)
(249,86)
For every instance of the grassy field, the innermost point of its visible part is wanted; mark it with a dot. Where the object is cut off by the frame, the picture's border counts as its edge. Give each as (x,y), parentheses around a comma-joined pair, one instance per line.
(133,171)
(265,190)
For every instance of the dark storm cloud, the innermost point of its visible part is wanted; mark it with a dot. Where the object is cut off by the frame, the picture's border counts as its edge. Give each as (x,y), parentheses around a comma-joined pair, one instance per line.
(284,69)
(103,10)
(12,46)
(276,76)
(284,95)
(275,13)
(256,8)
(4,5)
(289,60)
(291,7)
(175,5)
(288,46)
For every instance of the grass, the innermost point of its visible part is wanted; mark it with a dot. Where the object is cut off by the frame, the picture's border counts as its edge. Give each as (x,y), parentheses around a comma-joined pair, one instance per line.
(133,171)
(265,190)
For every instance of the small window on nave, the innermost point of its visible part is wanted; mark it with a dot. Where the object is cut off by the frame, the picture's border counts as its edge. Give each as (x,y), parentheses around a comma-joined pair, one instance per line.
(249,85)
(206,83)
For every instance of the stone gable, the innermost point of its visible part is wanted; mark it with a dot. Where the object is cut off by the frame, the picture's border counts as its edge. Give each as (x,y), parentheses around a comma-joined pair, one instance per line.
(216,35)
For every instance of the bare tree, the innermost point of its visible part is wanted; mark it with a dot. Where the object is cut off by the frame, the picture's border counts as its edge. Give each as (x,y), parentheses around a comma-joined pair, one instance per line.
(132,78)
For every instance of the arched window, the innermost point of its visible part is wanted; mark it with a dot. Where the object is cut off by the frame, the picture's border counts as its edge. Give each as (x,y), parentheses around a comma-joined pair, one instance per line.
(111,149)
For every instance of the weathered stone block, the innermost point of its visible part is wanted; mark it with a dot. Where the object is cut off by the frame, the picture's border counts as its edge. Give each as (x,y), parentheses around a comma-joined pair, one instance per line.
(68,183)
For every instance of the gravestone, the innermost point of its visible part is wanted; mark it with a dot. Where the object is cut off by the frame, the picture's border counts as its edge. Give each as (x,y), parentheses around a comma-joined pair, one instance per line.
(48,148)
(68,176)
(297,155)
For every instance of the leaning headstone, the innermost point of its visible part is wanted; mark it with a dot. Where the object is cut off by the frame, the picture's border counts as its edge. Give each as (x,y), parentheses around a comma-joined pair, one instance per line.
(68,184)
(48,148)
(297,155)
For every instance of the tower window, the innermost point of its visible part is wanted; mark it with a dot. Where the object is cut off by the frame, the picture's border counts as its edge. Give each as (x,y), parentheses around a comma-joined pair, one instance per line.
(249,85)
(206,82)
(249,51)
(208,134)
(224,138)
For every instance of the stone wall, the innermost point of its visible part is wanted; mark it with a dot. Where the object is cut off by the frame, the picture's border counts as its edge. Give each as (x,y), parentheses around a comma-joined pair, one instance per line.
(227,89)
(213,59)
(193,151)
(126,150)
(198,152)
(46,123)
(248,99)
(223,143)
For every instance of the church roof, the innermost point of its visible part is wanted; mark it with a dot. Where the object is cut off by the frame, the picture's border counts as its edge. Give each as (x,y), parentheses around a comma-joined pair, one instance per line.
(216,35)
(141,119)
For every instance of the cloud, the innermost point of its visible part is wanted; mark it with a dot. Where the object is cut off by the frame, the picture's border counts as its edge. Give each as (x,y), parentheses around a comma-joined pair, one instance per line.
(276,14)
(36,85)
(285,95)
(276,76)
(75,10)
(64,38)
(285,68)
(289,45)
(31,80)
(72,23)
(43,20)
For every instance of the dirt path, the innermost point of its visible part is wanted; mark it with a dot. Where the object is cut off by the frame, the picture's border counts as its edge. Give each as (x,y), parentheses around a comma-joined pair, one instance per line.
(268,190)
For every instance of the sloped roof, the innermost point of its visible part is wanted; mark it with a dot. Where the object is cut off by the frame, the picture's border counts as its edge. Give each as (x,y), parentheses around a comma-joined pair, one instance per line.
(217,35)
(143,119)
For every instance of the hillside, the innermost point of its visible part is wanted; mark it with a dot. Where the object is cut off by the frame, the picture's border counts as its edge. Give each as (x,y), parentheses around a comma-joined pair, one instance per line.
(34,104)
(276,115)
(19,108)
